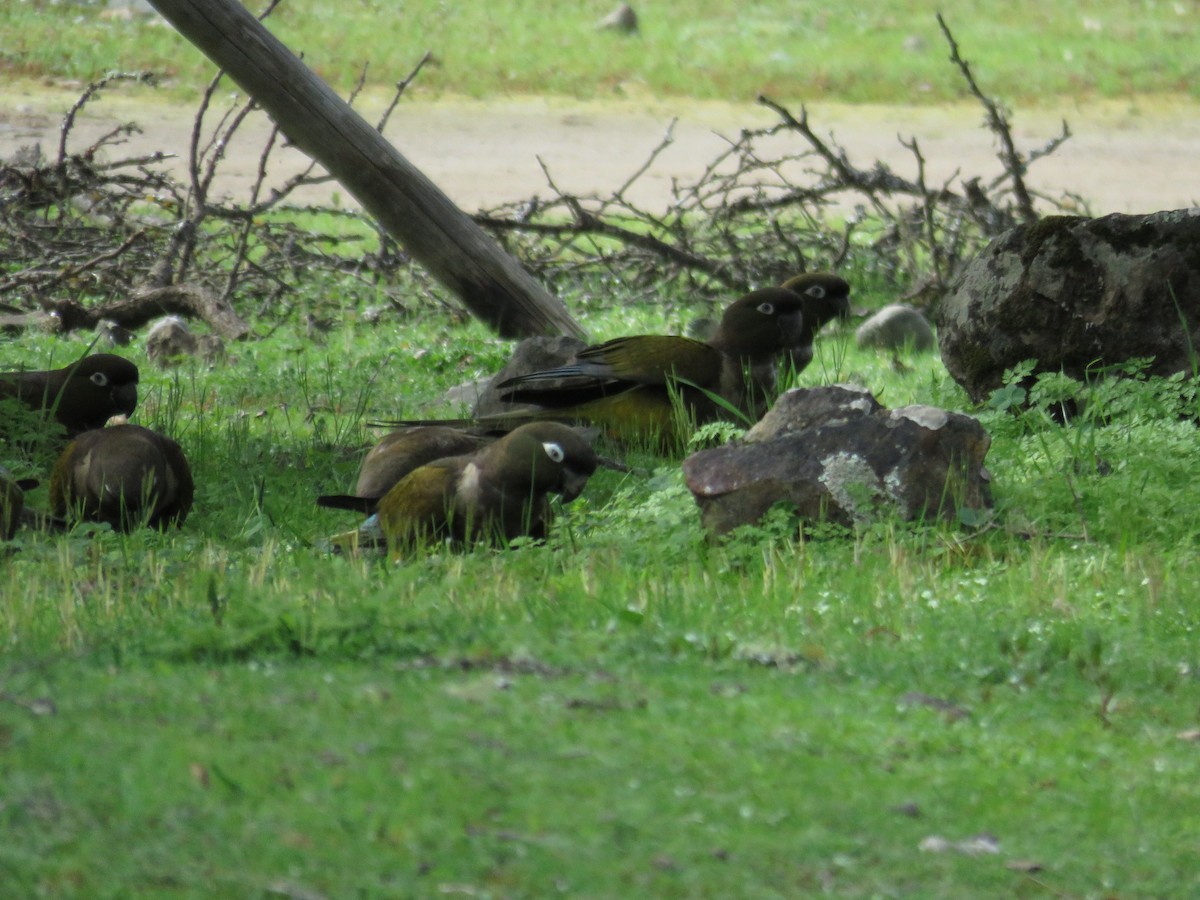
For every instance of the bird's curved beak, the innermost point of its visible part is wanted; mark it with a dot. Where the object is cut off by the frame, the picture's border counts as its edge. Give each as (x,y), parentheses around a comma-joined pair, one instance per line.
(125,398)
(573,483)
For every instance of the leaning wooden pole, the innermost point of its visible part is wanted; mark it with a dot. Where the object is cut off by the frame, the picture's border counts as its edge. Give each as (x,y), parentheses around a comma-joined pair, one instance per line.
(408,205)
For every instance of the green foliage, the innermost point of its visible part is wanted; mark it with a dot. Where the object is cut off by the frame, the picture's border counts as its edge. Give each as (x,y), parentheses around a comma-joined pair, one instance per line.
(1119,449)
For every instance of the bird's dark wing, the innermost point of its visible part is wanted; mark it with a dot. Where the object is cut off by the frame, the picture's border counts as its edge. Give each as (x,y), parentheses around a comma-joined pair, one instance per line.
(401,452)
(418,507)
(364,505)
(615,366)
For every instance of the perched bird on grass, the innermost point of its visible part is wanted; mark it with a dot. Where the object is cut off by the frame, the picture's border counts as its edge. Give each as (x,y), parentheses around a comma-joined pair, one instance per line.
(825,298)
(125,475)
(638,385)
(653,388)
(12,502)
(81,396)
(493,495)
(400,452)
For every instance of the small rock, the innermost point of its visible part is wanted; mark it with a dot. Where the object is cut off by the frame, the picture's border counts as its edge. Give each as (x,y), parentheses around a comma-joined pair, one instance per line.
(169,338)
(467,394)
(896,327)
(622,19)
(798,410)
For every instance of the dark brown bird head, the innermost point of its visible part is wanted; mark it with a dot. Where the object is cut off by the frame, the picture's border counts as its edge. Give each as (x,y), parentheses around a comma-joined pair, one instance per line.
(760,324)
(541,458)
(99,387)
(826,297)
(83,395)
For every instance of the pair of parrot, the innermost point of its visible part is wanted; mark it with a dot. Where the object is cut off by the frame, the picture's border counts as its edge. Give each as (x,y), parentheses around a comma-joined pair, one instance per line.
(125,475)
(439,479)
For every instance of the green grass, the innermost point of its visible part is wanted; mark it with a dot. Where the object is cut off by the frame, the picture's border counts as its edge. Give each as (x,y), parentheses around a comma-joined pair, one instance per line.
(629,710)
(890,51)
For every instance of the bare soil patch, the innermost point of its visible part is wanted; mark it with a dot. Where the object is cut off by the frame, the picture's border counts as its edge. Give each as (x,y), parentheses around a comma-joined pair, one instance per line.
(1135,156)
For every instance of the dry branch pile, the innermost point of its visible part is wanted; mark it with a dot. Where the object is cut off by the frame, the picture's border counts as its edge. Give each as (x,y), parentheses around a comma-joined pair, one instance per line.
(775,203)
(85,239)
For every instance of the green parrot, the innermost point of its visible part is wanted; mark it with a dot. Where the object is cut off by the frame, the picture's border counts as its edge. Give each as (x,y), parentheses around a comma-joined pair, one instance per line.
(495,494)
(12,502)
(635,386)
(653,388)
(125,475)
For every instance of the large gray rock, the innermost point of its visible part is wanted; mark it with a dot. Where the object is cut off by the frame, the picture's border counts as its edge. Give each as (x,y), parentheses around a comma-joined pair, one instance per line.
(834,454)
(1074,294)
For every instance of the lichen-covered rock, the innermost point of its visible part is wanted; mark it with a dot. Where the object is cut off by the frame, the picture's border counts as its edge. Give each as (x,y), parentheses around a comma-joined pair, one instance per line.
(896,327)
(533,354)
(798,410)
(1074,294)
(834,454)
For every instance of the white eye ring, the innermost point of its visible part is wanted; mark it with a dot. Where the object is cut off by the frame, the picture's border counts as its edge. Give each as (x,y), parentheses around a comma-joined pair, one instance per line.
(816,291)
(554,451)
(99,379)
(767,309)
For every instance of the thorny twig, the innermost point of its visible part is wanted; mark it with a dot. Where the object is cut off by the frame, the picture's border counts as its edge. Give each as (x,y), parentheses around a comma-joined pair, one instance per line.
(750,218)
(997,123)
(122,228)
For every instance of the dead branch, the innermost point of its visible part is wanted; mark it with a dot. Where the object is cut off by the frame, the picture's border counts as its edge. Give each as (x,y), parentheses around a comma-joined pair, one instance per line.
(93,234)
(755,218)
(997,123)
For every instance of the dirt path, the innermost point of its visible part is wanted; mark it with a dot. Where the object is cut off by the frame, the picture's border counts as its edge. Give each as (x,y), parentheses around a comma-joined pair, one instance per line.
(1124,157)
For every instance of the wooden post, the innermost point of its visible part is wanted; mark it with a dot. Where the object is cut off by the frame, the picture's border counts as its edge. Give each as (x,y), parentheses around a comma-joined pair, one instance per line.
(456,251)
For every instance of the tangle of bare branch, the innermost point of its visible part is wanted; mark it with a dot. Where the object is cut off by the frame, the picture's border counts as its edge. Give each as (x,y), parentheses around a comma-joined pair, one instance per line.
(92,234)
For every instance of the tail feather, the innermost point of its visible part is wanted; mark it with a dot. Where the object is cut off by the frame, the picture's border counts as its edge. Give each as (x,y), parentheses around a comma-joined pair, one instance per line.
(364,505)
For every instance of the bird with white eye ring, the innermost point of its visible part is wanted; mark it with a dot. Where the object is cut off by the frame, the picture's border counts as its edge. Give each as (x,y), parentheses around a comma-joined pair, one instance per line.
(81,396)
(825,299)
(494,495)
(653,388)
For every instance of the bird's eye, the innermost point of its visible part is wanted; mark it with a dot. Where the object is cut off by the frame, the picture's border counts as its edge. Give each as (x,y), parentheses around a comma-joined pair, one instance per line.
(767,309)
(99,379)
(816,291)
(554,451)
